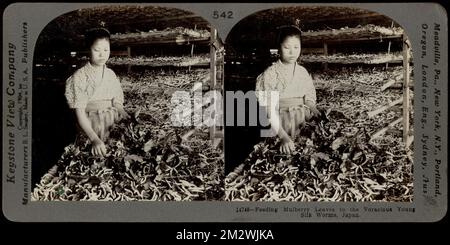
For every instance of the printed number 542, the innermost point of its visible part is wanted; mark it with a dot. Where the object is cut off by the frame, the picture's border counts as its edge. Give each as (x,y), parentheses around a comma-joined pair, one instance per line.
(222,14)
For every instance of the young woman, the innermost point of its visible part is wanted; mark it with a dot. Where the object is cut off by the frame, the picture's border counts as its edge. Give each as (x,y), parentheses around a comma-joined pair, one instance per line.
(297,93)
(95,93)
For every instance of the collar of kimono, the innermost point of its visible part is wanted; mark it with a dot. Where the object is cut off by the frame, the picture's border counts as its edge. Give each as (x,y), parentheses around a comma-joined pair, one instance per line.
(93,70)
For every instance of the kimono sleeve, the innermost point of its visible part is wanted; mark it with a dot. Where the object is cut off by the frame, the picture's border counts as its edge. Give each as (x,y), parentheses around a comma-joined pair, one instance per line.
(265,83)
(76,90)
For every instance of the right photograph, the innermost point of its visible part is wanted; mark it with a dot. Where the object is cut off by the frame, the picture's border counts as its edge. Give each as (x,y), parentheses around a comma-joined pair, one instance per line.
(319,107)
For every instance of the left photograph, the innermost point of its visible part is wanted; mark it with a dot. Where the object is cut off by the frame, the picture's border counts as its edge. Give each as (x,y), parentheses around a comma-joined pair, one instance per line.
(117,95)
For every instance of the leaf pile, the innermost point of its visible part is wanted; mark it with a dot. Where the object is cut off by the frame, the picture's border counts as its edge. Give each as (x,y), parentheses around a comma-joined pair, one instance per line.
(364,80)
(356,92)
(148,158)
(335,160)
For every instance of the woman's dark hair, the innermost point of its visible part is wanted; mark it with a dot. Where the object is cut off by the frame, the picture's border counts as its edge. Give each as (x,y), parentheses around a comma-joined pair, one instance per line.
(288,31)
(96,33)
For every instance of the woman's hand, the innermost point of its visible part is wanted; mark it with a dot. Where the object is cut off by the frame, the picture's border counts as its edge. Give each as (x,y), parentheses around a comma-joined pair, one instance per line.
(98,148)
(287,146)
(122,113)
(313,109)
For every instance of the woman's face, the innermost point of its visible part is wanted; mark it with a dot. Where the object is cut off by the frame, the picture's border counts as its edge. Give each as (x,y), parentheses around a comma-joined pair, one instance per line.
(290,50)
(100,52)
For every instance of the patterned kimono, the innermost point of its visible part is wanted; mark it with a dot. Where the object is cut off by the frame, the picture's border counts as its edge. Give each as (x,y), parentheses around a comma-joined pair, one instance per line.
(97,93)
(295,89)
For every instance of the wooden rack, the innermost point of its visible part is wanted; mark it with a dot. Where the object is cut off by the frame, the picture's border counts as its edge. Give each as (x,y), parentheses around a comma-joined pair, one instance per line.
(353,59)
(176,36)
(169,36)
(158,62)
(217,54)
(368,32)
(405,100)
(365,33)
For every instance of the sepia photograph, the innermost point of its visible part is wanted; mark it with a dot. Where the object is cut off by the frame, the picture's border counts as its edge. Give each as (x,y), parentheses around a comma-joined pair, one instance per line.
(343,121)
(103,86)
